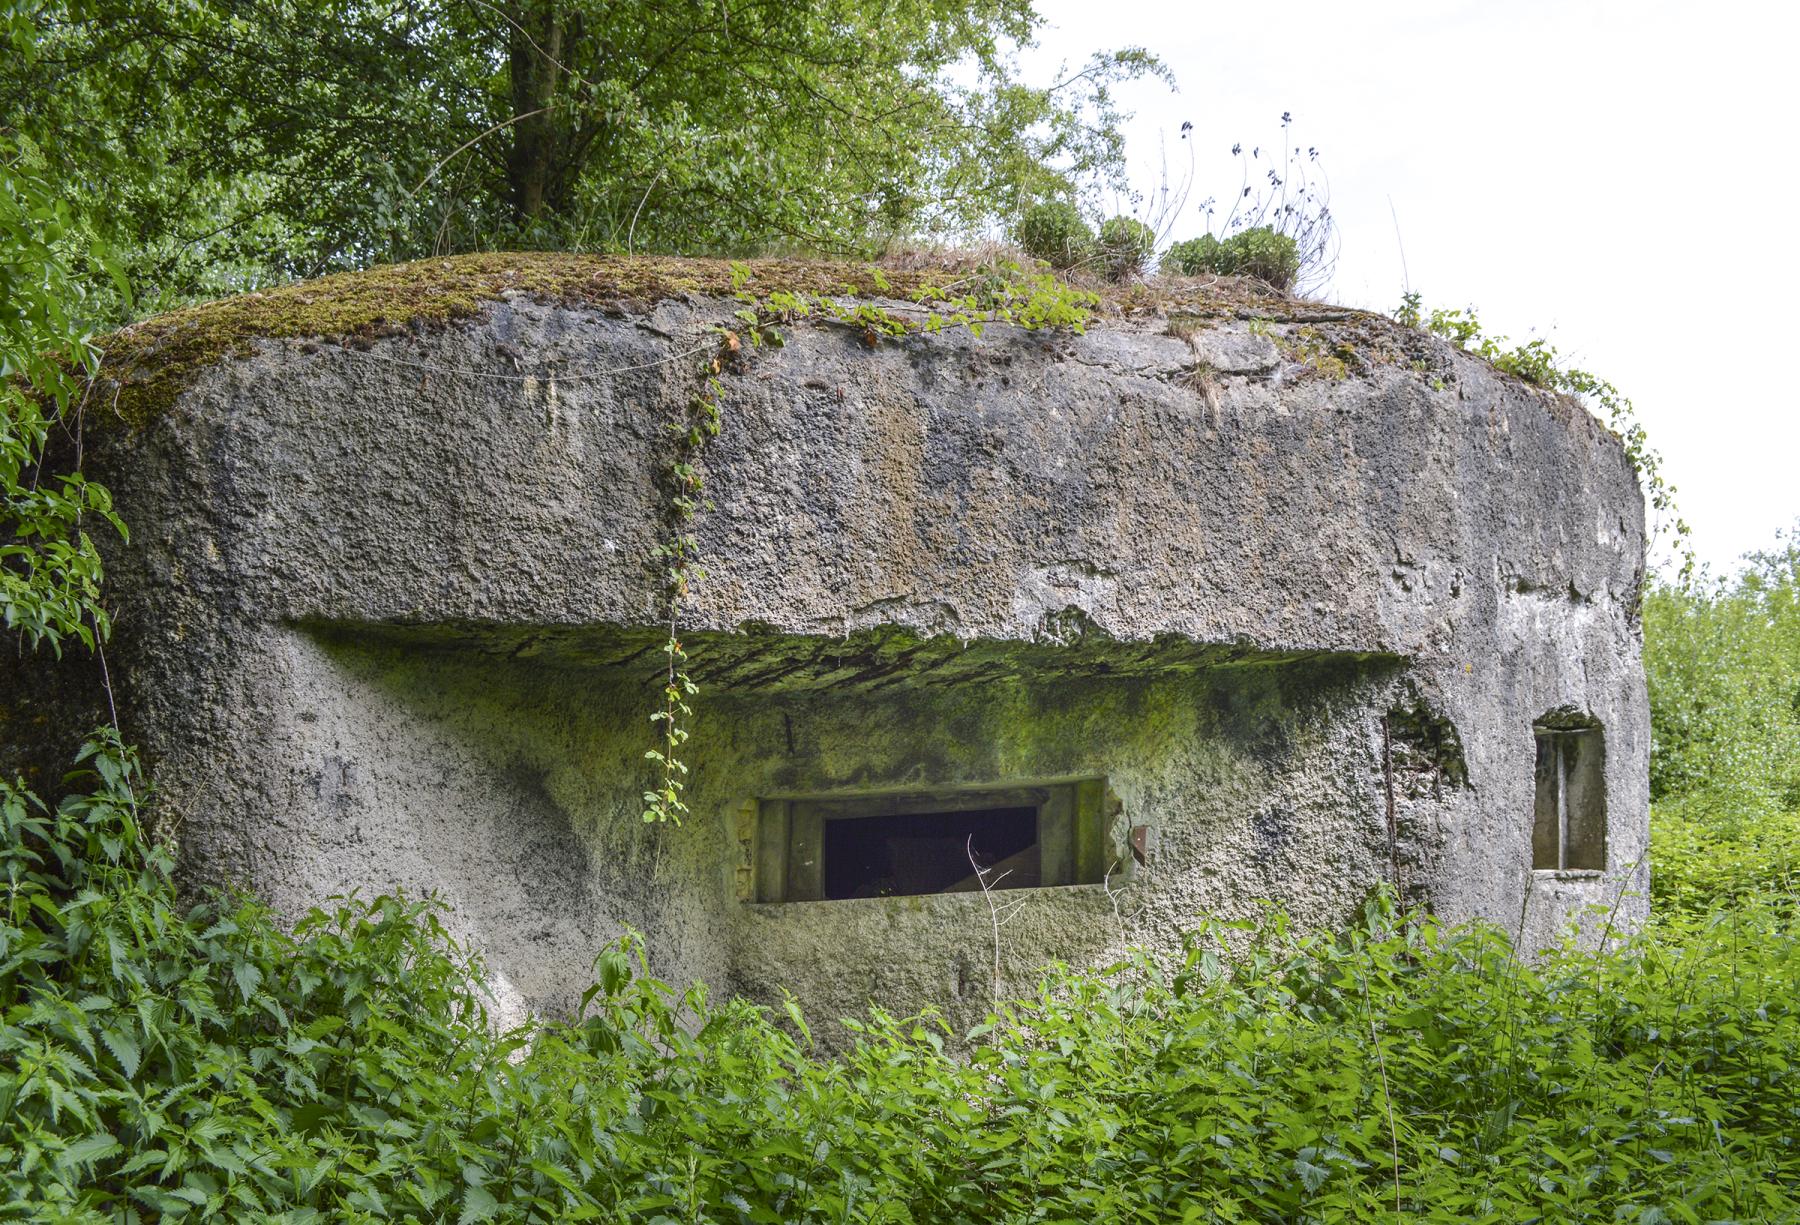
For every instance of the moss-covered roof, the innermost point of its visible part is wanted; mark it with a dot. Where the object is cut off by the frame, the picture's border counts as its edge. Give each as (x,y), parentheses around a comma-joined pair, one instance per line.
(152,362)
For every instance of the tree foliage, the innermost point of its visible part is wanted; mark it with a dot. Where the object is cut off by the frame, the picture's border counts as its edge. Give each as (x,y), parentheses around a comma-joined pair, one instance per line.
(1723,662)
(218,144)
(50,571)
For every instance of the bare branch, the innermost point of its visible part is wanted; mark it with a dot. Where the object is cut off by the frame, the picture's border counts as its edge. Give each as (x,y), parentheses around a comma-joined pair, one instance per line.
(475,140)
(994,909)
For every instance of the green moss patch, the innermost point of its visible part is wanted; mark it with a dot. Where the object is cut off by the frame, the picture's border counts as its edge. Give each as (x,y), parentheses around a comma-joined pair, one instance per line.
(149,364)
(153,362)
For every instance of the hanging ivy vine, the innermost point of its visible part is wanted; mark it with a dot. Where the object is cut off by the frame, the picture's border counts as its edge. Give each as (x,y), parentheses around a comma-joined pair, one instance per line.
(1001,294)
(1536,361)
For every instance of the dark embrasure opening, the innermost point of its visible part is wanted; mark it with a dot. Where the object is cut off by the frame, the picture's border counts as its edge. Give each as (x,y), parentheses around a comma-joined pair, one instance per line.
(929,852)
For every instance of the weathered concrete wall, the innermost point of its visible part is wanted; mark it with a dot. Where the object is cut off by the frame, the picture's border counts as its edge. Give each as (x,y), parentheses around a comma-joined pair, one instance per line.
(385,621)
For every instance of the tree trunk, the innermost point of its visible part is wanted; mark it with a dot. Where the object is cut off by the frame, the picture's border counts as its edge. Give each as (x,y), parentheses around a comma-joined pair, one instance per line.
(534,44)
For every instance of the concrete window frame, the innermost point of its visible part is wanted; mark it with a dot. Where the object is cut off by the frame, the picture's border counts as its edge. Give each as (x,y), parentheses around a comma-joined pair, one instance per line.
(788,840)
(1568,835)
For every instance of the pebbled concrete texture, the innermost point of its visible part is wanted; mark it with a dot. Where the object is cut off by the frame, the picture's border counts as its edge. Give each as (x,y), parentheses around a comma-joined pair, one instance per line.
(388,620)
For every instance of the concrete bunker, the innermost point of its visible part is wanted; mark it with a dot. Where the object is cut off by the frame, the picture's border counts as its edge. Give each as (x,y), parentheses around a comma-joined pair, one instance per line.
(1156,622)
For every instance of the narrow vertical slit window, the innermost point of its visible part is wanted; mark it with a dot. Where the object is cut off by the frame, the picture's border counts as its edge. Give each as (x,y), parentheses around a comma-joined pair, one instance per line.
(1569,818)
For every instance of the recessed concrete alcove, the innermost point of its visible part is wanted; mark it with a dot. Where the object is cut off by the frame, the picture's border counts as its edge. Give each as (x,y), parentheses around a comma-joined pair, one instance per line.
(502,770)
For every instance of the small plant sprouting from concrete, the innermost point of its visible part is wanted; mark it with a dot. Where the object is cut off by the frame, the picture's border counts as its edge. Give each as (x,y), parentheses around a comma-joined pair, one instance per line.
(1055,232)
(1262,252)
(1310,348)
(1280,227)
(681,552)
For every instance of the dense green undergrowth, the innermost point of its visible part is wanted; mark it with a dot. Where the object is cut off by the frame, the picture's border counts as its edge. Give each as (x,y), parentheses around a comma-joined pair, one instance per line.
(1722,657)
(162,1062)
(1701,863)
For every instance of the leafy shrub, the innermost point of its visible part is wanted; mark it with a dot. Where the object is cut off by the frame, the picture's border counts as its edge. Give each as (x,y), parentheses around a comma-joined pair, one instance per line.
(1285,195)
(1056,233)
(1260,252)
(1701,864)
(187,1065)
(1723,664)
(1194,256)
(1124,246)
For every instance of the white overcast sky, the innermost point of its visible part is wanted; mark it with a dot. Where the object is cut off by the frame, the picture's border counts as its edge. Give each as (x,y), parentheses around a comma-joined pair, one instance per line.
(1618,177)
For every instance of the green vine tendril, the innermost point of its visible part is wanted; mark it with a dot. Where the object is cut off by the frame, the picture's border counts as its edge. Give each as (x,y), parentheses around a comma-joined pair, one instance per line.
(1002,294)
(1536,361)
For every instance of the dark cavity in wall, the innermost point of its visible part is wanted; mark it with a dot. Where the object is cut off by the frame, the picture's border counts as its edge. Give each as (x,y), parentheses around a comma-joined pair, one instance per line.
(932,852)
(1425,753)
(834,848)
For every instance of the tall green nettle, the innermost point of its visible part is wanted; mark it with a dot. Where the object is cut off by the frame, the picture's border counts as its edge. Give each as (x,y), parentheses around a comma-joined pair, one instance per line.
(204,1063)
